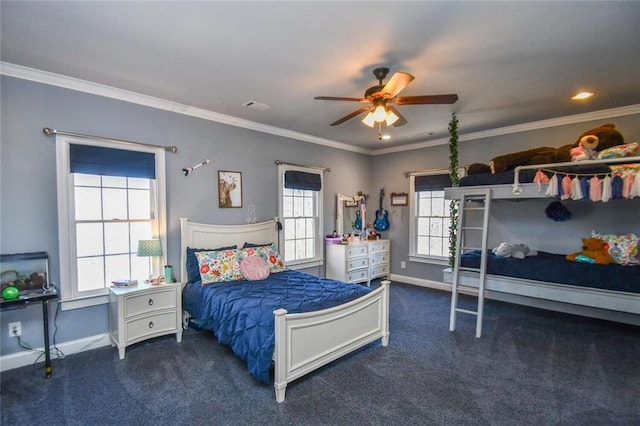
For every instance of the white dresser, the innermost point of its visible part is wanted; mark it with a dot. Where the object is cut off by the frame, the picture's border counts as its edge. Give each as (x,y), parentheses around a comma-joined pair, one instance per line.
(358,262)
(143,312)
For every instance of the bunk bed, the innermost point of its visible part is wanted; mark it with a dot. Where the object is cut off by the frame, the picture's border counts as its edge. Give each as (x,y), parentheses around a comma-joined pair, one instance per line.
(610,292)
(290,320)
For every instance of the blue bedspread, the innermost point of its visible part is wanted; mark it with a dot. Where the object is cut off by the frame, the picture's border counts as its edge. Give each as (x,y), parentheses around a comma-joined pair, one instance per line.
(241,315)
(555,268)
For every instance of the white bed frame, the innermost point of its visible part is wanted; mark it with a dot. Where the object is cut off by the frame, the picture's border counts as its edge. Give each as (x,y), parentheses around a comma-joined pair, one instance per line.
(303,342)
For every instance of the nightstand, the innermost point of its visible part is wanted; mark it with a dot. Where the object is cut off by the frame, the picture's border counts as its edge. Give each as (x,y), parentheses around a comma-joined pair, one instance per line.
(144,312)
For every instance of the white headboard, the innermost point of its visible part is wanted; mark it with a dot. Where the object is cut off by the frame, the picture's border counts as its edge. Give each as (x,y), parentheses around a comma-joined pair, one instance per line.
(207,236)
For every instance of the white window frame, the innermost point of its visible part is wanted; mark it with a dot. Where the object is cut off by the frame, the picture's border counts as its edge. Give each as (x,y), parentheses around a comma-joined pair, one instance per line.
(70,297)
(318,259)
(413,223)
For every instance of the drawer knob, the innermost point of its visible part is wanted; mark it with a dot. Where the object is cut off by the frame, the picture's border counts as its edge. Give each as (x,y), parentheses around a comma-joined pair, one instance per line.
(150,324)
(150,302)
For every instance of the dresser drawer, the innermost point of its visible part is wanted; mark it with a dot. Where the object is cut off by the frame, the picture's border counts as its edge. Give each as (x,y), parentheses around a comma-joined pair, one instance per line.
(357,276)
(357,263)
(379,271)
(357,250)
(379,247)
(151,324)
(155,301)
(380,259)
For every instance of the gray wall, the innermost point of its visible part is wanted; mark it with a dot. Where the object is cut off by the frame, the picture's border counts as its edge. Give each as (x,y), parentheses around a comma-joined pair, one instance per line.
(28,203)
(28,210)
(511,221)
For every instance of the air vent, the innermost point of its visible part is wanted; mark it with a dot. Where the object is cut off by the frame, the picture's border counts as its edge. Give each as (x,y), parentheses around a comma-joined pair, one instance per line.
(256,105)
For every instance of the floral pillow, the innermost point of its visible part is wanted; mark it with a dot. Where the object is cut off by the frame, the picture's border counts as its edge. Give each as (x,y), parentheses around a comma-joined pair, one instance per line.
(219,266)
(620,151)
(269,254)
(254,268)
(622,248)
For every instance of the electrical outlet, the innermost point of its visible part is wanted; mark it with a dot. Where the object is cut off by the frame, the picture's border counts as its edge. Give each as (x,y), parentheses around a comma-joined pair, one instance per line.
(15,329)
(403,264)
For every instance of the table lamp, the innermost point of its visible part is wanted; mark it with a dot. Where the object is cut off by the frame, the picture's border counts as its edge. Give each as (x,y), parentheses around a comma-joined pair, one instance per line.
(150,248)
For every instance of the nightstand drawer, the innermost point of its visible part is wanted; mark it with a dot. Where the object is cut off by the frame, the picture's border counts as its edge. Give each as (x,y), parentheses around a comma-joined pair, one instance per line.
(157,300)
(152,324)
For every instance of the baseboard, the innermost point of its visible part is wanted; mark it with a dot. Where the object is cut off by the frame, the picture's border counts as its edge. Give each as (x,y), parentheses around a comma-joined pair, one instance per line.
(437,285)
(20,359)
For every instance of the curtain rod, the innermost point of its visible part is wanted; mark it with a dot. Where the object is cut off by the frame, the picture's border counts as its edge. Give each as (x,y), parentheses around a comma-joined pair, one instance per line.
(326,169)
(431,171)
(50,132)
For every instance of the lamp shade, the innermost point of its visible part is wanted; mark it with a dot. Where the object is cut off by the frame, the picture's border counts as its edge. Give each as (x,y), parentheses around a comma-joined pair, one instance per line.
(149,248)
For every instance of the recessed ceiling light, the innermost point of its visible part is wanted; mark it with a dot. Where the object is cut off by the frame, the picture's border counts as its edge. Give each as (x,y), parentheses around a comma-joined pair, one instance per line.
(386,137)
(582,95)
(256,105)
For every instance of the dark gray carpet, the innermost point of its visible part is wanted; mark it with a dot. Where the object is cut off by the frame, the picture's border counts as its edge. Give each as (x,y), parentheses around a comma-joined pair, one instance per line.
(531,367)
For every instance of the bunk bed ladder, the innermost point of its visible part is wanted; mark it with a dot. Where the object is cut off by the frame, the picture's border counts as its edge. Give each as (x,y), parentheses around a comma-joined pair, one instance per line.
(478,201)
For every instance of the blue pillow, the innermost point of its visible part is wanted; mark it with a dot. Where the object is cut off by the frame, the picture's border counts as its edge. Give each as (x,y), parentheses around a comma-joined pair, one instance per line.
(193,269)
(249,245)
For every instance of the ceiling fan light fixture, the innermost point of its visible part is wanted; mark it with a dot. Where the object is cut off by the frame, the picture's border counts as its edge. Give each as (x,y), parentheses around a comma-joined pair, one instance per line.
(380,113)
(391,118)
(369,120)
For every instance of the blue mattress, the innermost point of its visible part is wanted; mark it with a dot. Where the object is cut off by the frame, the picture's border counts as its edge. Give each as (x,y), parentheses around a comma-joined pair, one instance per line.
(555,268)
(240,313)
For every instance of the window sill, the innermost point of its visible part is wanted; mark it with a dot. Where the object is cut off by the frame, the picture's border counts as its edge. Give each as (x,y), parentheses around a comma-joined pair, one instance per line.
(304,264)
(433,260)
(85,302)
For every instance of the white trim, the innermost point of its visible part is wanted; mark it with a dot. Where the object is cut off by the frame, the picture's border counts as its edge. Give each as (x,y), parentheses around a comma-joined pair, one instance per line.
(20,359)
(436,285)
(518,128)
(318,259)
(71,83)
(69,287)
(58,80)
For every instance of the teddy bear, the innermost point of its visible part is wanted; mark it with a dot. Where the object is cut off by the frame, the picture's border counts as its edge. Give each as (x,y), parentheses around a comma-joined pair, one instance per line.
(586,149)
(519,251)
(594,250)
(604,136)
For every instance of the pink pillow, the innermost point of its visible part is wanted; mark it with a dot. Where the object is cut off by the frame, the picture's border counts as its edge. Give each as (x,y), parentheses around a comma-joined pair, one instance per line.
(254,268)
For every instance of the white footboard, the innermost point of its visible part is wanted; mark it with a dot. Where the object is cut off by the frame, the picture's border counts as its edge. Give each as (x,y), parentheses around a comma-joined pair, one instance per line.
(307,341)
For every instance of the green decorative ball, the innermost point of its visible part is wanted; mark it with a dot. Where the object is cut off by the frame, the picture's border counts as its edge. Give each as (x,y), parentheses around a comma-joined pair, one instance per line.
(10,293)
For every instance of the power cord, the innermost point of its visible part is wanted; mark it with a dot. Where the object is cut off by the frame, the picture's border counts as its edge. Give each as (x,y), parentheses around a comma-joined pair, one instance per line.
(57,352)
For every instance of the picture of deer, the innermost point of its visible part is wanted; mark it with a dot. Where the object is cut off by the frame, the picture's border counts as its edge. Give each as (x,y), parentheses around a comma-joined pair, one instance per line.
(229,189)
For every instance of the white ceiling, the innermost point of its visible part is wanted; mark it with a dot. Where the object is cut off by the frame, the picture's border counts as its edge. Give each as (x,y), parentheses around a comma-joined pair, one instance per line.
(509,62)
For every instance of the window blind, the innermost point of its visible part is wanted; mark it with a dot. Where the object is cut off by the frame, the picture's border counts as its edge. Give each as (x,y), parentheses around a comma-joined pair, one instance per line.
(432,182)
(98,160)
(294,179)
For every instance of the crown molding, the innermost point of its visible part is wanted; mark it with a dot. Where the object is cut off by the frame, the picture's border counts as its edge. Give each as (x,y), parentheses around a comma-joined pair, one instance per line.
(32,74)
(58,80)
(519,128)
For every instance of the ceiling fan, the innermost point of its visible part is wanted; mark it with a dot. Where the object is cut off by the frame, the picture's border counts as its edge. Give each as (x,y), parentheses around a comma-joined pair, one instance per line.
(381,97)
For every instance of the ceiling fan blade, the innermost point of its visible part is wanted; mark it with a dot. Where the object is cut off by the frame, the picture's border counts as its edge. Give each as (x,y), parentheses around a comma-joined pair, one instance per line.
(426,99)
(396,84)
(350,116)
(338,98)
(401,120)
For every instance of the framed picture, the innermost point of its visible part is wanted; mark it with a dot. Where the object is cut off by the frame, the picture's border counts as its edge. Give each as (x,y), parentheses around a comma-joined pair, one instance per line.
(399,199)
(229,189)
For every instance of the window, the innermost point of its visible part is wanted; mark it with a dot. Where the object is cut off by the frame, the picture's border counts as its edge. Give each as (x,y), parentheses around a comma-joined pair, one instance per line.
(110,196)
(429,228)
(300,207)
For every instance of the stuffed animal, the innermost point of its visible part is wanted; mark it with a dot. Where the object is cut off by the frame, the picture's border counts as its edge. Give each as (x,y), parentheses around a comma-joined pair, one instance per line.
(594,250)
(586,149)
(606,136)
(519,251)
